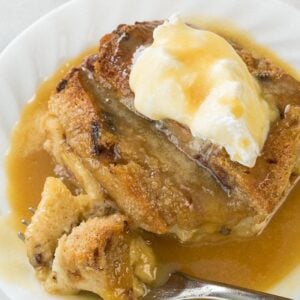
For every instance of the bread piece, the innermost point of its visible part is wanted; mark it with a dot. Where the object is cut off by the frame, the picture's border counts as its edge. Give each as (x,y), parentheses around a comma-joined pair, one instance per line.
(57,213)
(142,172)
(265,186)
(138,167)
(73,246)
(96,257)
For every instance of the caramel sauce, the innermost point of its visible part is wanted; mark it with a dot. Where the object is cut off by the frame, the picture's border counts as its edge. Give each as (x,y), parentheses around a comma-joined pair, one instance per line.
(28,164)
(229,31)
(200,59)
(256,263)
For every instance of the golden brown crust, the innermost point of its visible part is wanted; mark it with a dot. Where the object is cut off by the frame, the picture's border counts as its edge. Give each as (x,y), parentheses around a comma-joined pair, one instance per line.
(95,257)
(122,42)
(63,211)
(77,115)
(79,127)
(89,243)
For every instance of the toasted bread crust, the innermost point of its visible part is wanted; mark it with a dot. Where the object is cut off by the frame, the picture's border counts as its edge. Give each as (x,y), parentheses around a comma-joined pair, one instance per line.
(78,116)
(116,52)
(86,259)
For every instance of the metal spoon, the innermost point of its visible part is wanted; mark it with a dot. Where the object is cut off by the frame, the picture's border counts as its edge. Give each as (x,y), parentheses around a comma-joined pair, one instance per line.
(180,287)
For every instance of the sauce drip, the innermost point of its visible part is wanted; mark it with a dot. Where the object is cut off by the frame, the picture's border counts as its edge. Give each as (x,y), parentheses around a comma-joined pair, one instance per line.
(28,164)
(257,263)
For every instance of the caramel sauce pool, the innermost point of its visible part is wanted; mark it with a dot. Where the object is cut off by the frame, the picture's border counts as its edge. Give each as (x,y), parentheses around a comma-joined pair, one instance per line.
(255,263)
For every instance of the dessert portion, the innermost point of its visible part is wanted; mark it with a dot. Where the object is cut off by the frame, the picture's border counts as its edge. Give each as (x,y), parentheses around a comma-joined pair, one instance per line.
(186,134)
(75,243)
(264,186)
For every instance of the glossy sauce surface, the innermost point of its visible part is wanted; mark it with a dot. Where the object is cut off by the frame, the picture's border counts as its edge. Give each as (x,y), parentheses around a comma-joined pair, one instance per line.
(28,164)
(257,263)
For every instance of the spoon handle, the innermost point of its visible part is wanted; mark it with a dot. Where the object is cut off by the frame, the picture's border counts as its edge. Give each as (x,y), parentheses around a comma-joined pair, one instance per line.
(180,287)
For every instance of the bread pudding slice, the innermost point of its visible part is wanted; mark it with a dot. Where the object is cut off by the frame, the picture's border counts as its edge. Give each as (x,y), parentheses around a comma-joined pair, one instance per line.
(159,175)
(263,187)
(137,166)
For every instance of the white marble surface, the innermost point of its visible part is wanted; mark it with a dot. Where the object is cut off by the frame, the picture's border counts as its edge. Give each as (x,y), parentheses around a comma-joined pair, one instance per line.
(16,15)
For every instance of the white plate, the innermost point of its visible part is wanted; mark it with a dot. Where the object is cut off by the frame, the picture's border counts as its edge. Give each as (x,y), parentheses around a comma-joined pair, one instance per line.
(68,30)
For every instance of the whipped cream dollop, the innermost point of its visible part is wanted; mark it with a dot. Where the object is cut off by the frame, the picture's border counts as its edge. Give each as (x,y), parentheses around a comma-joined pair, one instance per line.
(195,77)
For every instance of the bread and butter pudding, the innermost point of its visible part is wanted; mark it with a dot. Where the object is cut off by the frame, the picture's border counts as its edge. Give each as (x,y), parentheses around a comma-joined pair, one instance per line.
(168,129)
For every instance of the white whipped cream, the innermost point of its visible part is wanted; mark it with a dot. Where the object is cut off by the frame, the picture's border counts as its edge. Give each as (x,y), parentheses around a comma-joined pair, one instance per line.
(196,78)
